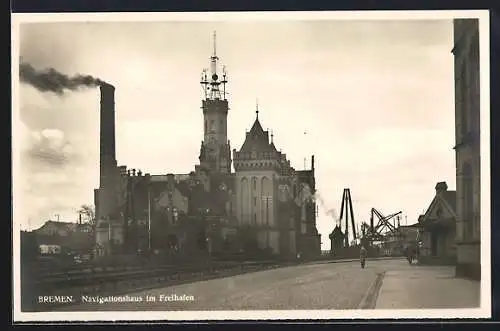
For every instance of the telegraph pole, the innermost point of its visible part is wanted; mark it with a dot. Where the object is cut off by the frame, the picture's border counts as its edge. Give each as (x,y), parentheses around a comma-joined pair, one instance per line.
(149,218)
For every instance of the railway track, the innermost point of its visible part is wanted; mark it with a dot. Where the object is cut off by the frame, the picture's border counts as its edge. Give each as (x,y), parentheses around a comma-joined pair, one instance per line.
(112,282)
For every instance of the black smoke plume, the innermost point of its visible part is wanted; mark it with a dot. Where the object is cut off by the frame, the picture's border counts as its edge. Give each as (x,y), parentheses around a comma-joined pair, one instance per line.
(50,80)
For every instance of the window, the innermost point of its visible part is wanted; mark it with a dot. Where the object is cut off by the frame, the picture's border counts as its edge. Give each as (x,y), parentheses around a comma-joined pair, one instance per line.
(254,221)
(254,201)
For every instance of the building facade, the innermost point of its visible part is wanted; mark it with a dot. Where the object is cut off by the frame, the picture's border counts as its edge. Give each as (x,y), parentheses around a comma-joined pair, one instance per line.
(264,207)
(438,228)
(467,147)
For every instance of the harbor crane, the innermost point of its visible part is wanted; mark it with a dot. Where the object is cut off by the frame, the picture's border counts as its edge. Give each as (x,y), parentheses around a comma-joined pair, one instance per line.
(383,228)
(347,210)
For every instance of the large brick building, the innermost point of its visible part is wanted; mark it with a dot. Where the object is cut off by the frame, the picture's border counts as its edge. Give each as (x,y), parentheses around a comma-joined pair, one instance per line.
(264,207)
(467,147)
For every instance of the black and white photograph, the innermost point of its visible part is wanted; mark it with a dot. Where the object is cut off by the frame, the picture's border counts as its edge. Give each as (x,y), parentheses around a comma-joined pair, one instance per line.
(252,165)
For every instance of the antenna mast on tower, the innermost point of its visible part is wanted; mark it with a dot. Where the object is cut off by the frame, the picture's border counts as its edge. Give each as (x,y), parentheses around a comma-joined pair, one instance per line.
(212,87)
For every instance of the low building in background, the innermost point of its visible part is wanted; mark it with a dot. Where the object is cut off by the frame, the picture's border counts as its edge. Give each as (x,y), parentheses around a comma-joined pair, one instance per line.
(54,238)
(438,228)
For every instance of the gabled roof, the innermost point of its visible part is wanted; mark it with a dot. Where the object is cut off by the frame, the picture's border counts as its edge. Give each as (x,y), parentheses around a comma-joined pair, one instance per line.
(257,139)
(447,199)
(68,226)
(336,233)
(256,128)
(159,184)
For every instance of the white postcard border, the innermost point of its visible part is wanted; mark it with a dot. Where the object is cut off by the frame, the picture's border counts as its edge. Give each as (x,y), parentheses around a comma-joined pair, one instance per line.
(483,312)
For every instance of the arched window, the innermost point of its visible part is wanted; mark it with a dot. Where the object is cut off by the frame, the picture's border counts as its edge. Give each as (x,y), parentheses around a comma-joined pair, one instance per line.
(468,196)
(245,208)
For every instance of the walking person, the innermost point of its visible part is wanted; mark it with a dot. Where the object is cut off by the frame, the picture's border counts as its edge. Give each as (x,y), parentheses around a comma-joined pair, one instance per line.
(362,256)
(407,253)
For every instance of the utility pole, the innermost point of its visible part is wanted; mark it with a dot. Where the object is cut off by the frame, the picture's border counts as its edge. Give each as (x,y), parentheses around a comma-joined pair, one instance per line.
(149,218)
(267,198)
(307,145)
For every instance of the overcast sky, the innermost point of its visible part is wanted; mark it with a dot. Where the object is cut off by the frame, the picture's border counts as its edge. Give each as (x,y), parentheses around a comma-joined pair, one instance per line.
(375,98)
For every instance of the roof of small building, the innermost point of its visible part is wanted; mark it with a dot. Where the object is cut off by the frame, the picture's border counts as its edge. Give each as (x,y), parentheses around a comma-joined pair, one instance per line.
(337,232)
(70,226)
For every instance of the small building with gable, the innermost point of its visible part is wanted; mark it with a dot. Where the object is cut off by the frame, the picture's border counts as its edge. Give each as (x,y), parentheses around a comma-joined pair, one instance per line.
(438,228)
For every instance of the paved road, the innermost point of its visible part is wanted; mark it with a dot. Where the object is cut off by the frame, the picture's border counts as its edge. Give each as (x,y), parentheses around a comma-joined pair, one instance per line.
(312,286)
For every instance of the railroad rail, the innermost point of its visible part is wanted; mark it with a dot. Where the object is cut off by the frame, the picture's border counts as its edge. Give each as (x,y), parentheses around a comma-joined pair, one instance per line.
(108,281)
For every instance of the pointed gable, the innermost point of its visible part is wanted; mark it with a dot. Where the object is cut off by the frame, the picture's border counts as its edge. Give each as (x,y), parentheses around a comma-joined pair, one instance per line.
(451,199)
(257,129)
(442,206)
(257,139)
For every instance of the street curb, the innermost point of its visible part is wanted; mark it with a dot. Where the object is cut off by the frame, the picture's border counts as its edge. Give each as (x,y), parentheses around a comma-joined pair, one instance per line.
(349,260)
(369,301)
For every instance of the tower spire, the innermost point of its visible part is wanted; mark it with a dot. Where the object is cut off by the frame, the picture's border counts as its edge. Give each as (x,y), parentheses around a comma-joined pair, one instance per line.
(257,108)
(215,44)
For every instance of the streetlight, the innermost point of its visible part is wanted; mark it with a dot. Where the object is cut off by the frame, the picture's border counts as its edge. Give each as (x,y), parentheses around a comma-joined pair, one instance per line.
(208,240)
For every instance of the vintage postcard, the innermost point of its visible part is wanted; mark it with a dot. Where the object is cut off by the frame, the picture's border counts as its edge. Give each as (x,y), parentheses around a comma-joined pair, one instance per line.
(227,166)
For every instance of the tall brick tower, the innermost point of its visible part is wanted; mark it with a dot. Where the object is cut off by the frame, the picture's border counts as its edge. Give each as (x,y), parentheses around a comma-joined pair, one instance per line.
(215,151)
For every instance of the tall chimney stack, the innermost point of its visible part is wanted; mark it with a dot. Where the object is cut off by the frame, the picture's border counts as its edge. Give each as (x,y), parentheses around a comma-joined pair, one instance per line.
(106,201)
(107,132)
